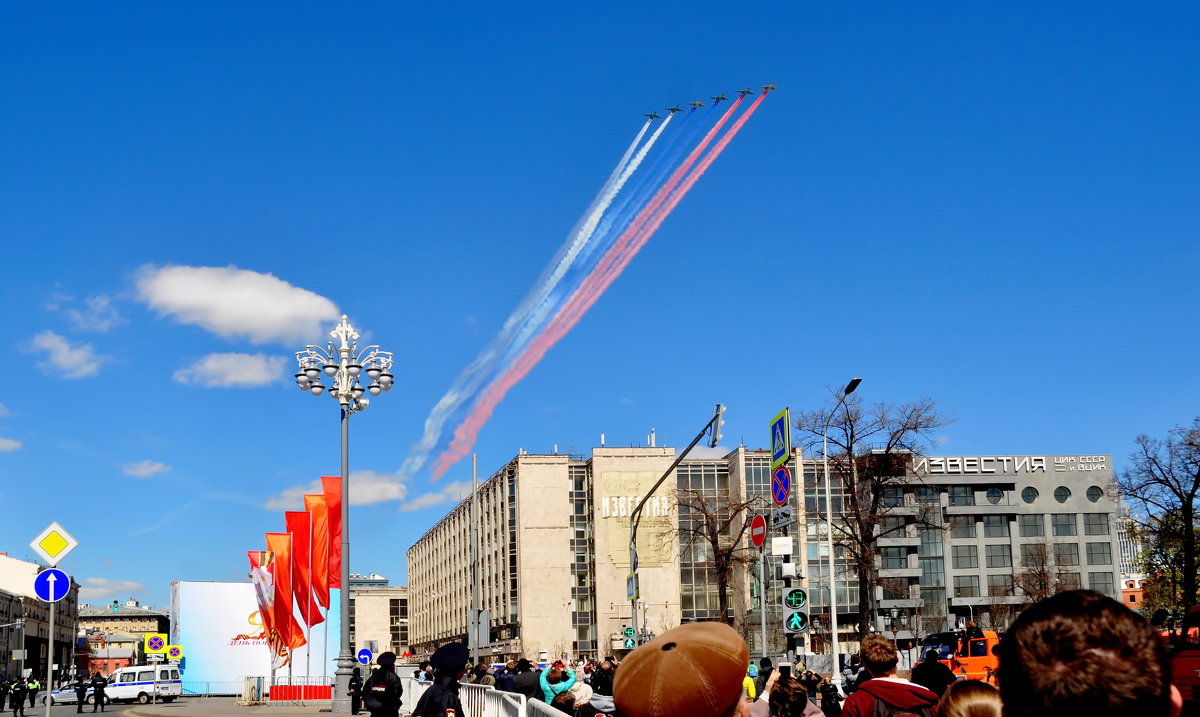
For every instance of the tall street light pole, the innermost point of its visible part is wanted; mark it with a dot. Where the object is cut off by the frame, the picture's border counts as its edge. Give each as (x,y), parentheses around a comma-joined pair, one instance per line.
(833,621)
(342,361)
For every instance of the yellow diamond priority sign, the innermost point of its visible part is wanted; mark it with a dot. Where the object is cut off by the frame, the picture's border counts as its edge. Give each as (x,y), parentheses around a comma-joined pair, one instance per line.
(53,544)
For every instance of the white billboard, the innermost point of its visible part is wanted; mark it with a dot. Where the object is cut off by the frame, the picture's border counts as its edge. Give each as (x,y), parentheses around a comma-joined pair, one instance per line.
(218,627)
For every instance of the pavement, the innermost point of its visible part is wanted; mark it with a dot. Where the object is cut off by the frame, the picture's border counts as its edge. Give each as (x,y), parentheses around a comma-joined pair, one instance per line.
(217,706)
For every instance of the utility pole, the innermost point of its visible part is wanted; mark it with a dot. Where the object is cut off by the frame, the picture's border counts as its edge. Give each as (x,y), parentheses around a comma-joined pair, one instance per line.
(473,622)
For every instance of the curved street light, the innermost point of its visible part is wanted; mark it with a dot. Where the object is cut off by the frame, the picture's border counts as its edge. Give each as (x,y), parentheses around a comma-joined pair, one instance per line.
(835,647)
(348,366)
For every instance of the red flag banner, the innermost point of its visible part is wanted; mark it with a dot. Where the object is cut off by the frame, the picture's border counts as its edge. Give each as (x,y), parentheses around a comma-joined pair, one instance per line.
(333,498)
(299,525)
(262,568)
(316,507)
(284,618)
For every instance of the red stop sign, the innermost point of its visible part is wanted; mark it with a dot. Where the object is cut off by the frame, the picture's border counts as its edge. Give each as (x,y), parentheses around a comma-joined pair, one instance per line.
(758,531)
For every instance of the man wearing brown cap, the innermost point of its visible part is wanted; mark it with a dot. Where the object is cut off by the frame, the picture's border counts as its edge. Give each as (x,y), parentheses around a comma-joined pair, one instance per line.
(695,670)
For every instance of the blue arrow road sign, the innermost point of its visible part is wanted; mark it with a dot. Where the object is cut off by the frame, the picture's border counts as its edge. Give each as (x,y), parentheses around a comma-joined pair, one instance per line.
(365,656)
(51,585)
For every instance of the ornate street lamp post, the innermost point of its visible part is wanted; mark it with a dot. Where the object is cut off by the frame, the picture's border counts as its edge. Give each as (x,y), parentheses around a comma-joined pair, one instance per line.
(342,361)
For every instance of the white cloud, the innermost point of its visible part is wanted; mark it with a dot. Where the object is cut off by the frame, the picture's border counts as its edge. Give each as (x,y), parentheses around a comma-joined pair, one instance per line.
(100,588)
(233,370)
(4,412)
(97,314)
(144,469)
(366,488)
(71,361)
(451,493)
(8,445)
(236,303)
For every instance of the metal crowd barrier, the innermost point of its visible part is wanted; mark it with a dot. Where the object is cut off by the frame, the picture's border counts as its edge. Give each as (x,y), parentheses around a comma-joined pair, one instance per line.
(478,700)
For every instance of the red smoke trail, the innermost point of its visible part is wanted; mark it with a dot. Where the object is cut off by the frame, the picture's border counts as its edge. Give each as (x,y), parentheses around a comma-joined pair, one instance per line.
(648,220)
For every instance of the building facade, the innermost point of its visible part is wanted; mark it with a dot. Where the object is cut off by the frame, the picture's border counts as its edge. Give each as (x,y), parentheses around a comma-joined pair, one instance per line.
(130,618)
(962,533)
(379,615)
(25,646)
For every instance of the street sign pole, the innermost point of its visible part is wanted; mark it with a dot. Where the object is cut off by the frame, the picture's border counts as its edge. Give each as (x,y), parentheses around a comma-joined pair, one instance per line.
(50,654)
(762,597)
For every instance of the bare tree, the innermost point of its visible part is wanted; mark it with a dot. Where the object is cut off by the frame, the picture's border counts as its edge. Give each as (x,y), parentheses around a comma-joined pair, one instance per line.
(711,530)
(870,454)
(1165,478)
(1037,579)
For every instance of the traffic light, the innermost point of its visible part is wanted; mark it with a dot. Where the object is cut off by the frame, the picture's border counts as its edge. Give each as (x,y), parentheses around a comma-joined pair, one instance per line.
(718,422)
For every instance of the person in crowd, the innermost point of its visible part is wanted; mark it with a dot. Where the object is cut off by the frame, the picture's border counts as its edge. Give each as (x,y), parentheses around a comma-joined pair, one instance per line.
(931,674)
(5,686)
(382,690)
(894,695)
(851,673)
(764,671)
(482,675)
(449,665)
(692,670)
(1081,652)
(356,685)
(526,682)
(748,689)
(555,681)
(506,677)
(81,688)
(582,693)
(602,678)
(31,690)
(831,699)
(98,696)
(16,696)
(970,698)
(564,702)
(423,672)
(811,682)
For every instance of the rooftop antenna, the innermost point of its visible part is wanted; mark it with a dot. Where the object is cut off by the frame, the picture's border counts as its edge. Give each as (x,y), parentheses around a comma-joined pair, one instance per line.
(653,438)
(601,440)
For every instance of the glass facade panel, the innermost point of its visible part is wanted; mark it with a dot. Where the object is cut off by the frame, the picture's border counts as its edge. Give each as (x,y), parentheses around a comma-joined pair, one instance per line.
(1063,524)
(995,526)
(964,556)
(962,526)
(999,585)
(1066,554)
(1031,526)
(1095,523)
(1099,553)
(962,495)
(999,556)
(966,586)
(1102,583)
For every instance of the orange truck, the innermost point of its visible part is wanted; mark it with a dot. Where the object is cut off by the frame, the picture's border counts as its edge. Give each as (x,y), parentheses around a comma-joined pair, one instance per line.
(970,654)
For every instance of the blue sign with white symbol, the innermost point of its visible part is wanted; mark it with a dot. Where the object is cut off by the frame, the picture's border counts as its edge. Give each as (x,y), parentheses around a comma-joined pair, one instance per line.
(365,656)
(51,585)
(781,439)
(781,485)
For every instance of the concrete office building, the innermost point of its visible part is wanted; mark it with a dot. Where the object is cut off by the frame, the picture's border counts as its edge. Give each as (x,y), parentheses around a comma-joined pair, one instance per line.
(130,617)
(378,615)
(553,535)
(24,647)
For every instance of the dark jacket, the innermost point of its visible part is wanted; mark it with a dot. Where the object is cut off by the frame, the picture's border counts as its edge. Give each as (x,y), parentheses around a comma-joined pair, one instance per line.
(900,694)
(764,674)
(526,683)
(602,681)
(381,693)
(506,679)
(933,676)
(442,695)
(831,700)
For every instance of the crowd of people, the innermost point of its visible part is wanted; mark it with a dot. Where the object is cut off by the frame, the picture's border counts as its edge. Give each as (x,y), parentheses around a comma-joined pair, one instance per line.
(1078,652)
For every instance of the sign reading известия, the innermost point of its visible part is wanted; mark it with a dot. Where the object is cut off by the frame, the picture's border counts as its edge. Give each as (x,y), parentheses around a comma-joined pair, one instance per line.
(982,465)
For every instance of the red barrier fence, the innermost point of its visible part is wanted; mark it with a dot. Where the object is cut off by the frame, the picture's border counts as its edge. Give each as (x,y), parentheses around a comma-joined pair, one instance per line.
(296,693)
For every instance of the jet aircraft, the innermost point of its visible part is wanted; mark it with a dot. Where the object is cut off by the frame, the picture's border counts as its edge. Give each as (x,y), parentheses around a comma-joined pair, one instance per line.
(651,115)
(674,109)
(696,105)
(768,88)
(745,92)
(720,98)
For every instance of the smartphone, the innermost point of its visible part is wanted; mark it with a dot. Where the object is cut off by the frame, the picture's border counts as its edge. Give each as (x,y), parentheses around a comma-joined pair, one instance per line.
(785,670)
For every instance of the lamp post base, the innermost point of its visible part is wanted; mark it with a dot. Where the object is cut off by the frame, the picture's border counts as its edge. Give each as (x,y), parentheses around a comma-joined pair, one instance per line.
(341,683)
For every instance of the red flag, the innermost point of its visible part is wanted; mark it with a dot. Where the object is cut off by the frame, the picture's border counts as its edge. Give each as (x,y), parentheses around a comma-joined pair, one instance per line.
(298,524)
(333,498)
(316,507)
(283,617)
(262,569)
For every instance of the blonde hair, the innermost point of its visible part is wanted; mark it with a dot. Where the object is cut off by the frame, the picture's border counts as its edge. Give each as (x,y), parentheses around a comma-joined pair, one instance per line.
(970,698)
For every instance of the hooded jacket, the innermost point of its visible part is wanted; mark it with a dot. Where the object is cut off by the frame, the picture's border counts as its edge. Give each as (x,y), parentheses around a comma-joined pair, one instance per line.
(894,691)
(549,691)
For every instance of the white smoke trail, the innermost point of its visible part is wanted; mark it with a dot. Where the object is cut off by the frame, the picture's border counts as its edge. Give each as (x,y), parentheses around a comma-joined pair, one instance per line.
(468,383)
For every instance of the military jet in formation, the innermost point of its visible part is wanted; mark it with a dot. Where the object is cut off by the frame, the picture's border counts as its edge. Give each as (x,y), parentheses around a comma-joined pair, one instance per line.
(696,105)
(769,87)
(652,115)
(716,100)
(674,109)
(720,98)
(745,92)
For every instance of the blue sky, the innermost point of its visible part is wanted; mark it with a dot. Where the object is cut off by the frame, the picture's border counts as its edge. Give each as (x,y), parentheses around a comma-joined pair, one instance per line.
(995,207)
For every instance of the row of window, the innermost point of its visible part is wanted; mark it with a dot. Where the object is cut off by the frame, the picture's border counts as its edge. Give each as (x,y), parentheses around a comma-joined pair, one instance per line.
(965,494)
(1028,526)
(1000,556)
(966,586)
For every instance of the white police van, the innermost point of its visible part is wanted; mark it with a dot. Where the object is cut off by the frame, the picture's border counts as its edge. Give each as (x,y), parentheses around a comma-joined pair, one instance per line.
(128,684)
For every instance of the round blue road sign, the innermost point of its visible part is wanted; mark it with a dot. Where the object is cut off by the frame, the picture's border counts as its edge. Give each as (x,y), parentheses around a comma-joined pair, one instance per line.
(365,656)
(51,585)
(781,485)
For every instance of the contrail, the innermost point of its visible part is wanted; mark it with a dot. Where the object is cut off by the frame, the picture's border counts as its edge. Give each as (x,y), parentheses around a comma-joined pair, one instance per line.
(615,260)
(483,368)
